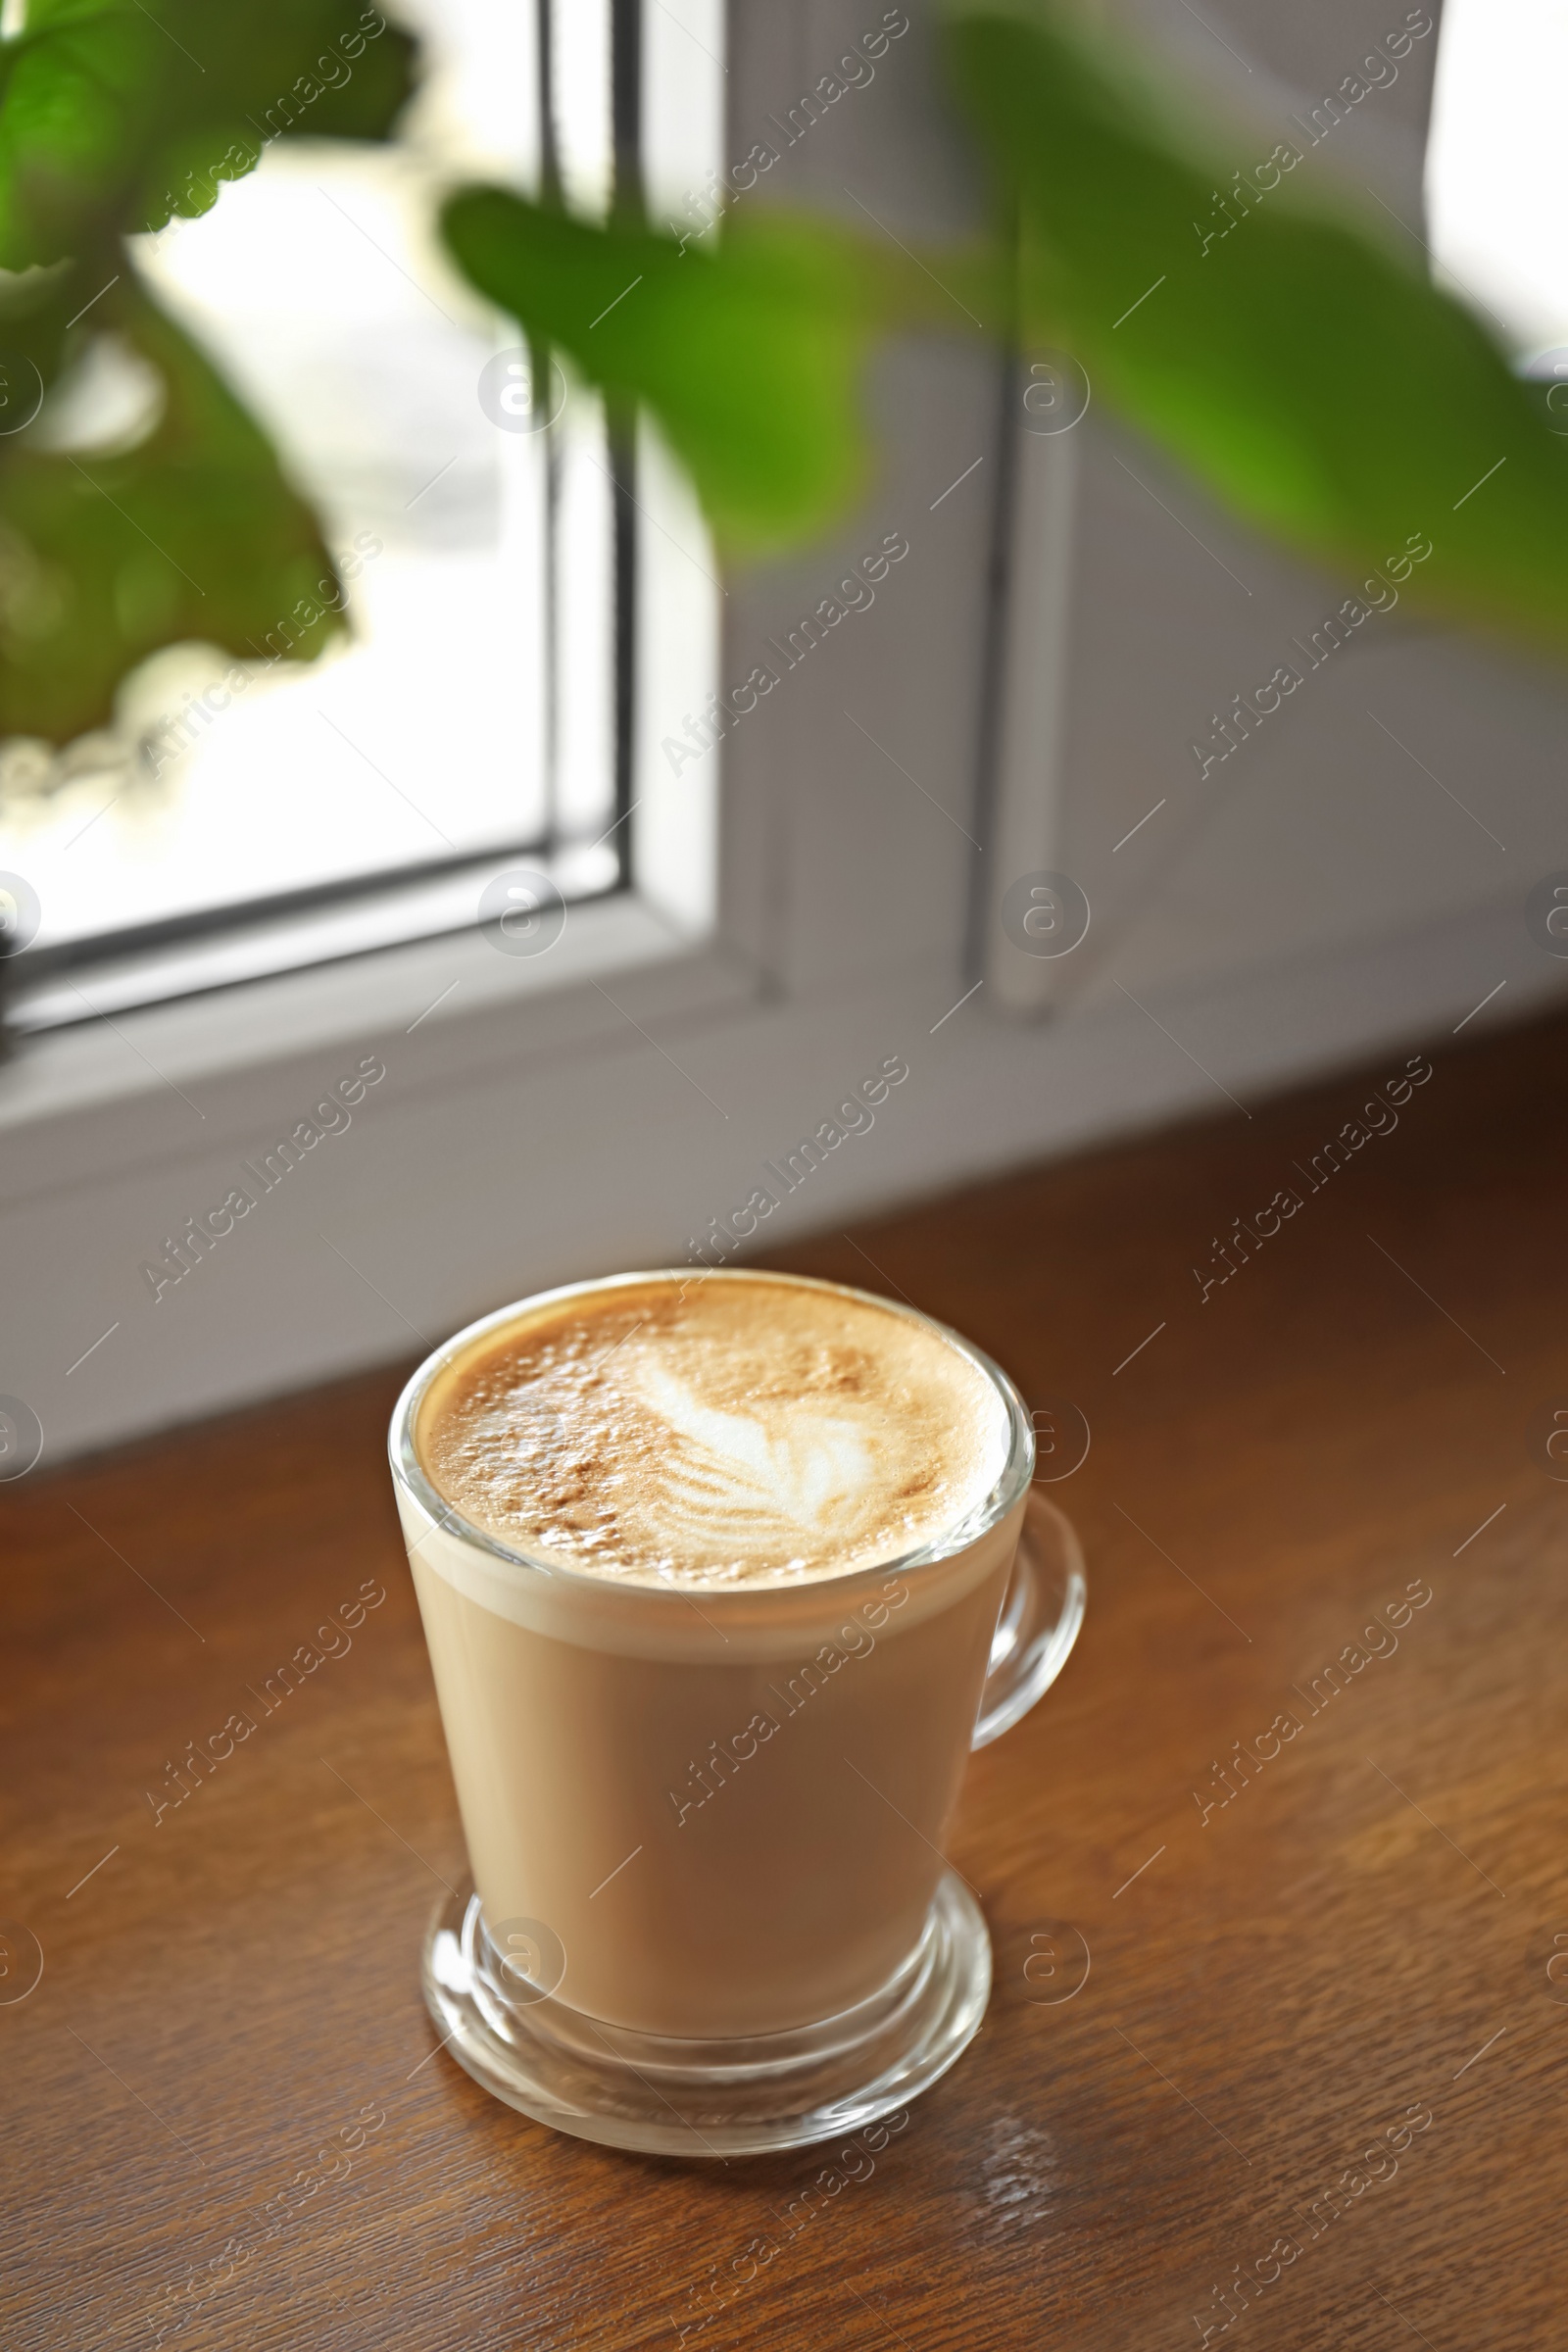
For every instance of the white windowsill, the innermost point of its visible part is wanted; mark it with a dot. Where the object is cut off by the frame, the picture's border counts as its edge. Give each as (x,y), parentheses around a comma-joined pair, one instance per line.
(457,998)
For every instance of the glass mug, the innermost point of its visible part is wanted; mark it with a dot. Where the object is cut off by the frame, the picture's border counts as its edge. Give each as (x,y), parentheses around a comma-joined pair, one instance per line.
(710,1913)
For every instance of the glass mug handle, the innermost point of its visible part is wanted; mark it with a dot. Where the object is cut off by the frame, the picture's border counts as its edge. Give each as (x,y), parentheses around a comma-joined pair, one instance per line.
(1041,1615)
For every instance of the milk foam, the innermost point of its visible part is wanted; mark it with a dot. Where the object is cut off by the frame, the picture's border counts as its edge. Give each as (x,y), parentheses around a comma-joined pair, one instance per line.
(738,1430)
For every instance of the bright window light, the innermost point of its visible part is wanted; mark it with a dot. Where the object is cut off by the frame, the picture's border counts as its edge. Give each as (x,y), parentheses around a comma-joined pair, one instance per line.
(317,286)
(1497,193)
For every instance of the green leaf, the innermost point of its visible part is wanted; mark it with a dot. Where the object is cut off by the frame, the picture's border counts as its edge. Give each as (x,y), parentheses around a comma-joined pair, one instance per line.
(114,117)
(193,534)
(1321,386)
(749,356)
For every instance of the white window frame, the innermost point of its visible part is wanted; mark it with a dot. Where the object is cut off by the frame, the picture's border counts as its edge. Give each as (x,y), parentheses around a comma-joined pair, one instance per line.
(614,1102)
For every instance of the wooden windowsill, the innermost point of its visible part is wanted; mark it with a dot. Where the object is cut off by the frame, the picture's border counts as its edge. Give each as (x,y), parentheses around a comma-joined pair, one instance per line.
(1363,1929)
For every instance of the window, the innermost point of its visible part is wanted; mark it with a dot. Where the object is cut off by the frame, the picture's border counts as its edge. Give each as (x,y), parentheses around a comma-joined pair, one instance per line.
(608,1104)
(1496,202)
(247,818)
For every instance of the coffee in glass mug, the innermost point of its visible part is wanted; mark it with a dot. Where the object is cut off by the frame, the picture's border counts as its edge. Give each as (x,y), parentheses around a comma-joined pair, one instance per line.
(721,1578)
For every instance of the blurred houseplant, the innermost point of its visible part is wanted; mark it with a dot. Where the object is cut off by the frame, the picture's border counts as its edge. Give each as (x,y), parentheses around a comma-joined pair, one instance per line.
(112,123)
(1309,378)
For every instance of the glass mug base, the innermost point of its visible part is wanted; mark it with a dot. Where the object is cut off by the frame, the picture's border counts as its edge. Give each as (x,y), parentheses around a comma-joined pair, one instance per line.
(717,2098)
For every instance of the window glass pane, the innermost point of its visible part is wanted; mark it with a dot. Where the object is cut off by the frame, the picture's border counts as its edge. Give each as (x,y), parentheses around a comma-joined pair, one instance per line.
(317,286)
(1496,197)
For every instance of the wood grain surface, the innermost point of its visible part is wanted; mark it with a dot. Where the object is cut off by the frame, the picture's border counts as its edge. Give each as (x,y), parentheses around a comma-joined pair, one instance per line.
(1320,2057)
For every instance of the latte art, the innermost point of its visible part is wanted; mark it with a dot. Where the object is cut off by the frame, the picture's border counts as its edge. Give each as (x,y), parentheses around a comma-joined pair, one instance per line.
(731,1430)
(728,1473)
